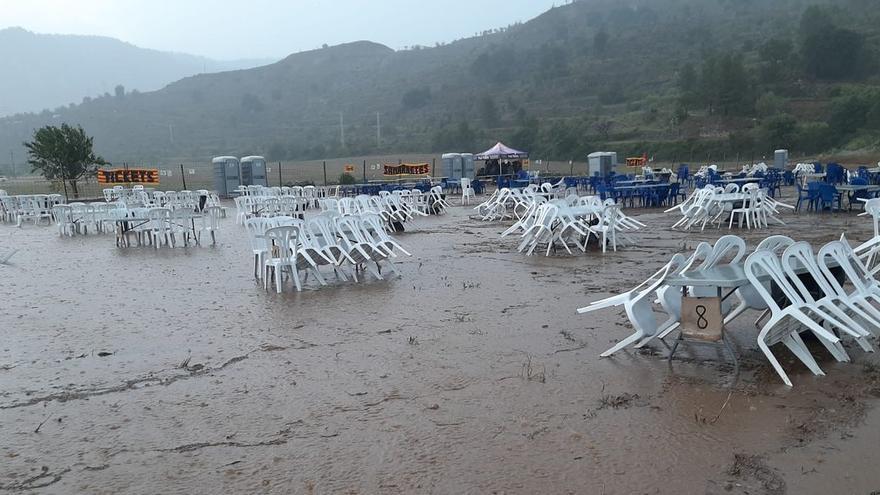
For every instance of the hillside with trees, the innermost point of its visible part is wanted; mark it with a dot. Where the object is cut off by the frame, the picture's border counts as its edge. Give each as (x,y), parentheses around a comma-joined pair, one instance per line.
(681,80)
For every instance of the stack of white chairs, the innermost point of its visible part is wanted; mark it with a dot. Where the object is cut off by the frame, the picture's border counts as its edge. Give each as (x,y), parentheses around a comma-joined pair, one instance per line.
(830,294)
(869,251)
(804,168)
(507,203)
(290,245)
(713,205)
(543,222)
(394,208)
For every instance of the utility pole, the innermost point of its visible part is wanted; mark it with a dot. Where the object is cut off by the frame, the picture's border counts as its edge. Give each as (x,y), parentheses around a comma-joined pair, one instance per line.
(378,131)
(171,133)
(342,129)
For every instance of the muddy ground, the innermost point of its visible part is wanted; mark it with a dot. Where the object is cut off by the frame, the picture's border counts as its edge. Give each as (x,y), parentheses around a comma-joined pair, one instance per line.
(172,371)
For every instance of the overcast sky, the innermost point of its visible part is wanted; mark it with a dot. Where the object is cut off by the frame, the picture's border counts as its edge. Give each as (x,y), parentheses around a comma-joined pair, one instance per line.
(231,29)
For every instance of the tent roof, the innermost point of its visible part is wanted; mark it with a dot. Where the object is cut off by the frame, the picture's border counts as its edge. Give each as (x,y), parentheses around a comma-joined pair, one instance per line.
(500,150)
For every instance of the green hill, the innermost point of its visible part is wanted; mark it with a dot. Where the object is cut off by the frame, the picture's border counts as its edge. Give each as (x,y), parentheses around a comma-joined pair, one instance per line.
(678,79)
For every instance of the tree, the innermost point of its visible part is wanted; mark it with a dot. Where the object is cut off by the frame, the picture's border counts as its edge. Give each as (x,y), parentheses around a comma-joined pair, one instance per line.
(848,115)
(776,55)
(778,131)
(829,51)
(834,54)
(63,153)
(769,104)
(119,90)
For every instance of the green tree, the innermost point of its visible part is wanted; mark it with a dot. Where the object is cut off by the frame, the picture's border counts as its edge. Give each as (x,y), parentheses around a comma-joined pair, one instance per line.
(834,54)
(768,104)
(848,114)
(776,55)
(815,19)
(733,88)
(119,90)
(63,153)
(779,131)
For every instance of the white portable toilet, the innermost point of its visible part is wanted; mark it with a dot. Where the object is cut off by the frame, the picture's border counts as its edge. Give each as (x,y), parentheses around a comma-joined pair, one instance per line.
(227,175)
(467,166)
(601,163)
(780,159)
(449,163)
(253,171)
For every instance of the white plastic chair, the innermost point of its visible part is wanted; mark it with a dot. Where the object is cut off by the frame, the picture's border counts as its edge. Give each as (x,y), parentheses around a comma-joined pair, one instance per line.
(759,265)
(607,227)
(866,293)
(799,261)
(160,225)
(638,304)
(749,298)
(467,191)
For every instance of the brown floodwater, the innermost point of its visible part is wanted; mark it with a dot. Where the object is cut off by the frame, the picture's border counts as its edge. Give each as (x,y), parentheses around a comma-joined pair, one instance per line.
(172,371)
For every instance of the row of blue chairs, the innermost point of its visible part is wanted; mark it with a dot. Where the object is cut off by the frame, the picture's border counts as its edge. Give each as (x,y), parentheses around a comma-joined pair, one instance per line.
(822,196)
(663,195)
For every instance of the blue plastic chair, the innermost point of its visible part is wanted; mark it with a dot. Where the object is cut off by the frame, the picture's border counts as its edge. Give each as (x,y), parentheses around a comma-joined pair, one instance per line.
(804,195)
(828,195)
(672,197)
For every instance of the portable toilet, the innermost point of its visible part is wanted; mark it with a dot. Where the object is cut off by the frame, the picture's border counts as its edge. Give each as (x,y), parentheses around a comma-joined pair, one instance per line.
(467,165)
(780,159)
(253,171)
(601,163)
(227,176)
(449,160)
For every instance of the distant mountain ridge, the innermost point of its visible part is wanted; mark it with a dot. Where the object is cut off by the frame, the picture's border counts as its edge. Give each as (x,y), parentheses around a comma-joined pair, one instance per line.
(45,71)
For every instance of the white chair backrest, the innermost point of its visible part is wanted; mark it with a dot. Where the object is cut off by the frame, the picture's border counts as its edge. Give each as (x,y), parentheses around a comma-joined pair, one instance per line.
(775,243)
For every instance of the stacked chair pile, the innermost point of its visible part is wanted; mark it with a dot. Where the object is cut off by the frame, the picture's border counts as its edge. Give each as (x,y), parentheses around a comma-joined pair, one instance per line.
(347,232)
(712,205)
(829,293)
(543,220)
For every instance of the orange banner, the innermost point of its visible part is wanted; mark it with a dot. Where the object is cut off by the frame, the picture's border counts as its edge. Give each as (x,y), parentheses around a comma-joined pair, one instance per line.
(128,176)
(407,169)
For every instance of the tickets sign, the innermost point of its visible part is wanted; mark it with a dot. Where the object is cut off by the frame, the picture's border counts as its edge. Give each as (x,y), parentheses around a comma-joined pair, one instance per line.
(408,169)
(128,176)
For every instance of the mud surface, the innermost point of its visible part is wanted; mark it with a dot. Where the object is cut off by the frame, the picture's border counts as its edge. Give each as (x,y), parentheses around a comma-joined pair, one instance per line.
(172,371)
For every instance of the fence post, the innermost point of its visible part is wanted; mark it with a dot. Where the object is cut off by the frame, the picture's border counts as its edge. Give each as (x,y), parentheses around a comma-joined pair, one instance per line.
(182,177)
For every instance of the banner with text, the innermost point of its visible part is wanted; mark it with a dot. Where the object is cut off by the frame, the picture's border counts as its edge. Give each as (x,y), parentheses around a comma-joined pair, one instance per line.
(408,169)
(128,176)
